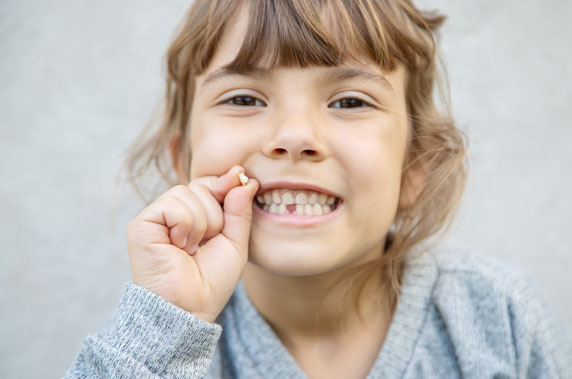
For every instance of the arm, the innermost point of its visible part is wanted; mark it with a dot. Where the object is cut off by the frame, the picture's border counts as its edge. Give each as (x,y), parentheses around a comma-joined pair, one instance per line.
(149,338)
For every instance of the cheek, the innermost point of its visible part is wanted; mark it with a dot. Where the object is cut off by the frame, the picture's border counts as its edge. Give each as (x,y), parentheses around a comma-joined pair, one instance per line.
(374,158)
(216,146)
(374,163)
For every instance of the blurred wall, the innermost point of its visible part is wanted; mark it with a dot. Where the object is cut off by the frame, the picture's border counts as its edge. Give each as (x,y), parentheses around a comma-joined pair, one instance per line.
(78,80)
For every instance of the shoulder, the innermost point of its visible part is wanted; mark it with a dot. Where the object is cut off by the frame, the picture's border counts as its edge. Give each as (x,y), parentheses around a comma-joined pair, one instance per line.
(478,275)
(484,286)
(482,302)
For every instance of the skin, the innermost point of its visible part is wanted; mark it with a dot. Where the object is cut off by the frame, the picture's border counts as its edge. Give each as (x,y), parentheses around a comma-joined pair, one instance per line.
(194,243)
(294,130)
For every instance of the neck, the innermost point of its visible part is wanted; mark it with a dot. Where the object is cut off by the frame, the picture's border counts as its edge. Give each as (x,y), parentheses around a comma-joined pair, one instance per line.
(304,308)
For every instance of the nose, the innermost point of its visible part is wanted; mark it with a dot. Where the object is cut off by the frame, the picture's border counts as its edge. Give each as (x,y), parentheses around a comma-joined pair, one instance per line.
(296,138)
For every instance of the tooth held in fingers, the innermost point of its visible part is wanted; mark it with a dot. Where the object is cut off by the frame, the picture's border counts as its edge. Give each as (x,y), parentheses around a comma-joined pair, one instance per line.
(243,178)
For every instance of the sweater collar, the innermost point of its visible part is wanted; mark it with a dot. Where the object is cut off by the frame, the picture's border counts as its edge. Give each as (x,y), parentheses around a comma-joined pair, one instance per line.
(419,278)
(248,334)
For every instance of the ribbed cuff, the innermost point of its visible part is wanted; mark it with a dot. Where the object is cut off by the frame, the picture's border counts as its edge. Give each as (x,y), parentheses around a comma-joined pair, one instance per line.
(158,334)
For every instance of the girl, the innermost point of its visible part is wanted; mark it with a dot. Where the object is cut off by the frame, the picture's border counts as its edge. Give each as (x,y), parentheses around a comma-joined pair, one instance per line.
(314,167)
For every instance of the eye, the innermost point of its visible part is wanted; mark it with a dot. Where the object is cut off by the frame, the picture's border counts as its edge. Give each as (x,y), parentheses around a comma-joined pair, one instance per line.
(349,103)
(245,101)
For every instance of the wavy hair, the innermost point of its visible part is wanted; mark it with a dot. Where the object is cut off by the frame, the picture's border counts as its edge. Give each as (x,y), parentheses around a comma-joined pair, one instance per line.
(301,33)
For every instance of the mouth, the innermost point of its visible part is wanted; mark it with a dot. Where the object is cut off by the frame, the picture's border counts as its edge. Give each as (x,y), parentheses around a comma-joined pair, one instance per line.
(300,202)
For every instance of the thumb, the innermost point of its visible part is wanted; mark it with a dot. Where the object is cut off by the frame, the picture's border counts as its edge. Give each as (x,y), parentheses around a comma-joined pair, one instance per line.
(237,213)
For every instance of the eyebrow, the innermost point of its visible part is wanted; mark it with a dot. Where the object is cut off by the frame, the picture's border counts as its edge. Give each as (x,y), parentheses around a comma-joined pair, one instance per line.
(340,74)
(332,74)
(227,72)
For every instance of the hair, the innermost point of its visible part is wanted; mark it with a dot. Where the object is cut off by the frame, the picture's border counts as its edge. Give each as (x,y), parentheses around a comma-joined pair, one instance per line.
(301,33)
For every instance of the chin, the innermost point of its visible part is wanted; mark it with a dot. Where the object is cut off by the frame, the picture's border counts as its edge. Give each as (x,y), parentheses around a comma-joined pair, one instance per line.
(292,258)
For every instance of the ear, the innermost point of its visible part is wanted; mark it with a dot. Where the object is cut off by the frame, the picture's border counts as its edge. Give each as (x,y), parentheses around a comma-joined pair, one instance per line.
(175,150)
(412,183)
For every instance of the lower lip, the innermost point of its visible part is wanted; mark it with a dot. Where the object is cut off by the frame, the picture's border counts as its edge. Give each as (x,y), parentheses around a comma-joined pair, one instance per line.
(296,219)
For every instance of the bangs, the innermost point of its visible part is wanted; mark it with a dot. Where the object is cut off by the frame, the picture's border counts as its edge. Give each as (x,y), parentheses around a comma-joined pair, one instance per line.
(301,33)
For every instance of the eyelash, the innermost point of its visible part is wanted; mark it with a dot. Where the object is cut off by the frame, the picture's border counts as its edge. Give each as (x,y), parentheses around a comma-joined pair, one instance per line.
(250,98)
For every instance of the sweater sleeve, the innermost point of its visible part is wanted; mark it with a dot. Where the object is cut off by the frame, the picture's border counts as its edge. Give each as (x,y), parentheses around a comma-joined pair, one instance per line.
(149,338)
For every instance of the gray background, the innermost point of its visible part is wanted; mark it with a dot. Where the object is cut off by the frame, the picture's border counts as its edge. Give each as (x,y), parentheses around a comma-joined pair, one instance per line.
(78,79)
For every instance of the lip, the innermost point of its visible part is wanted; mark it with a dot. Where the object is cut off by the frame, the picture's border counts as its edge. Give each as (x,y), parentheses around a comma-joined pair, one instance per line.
(295,219)
(295,186)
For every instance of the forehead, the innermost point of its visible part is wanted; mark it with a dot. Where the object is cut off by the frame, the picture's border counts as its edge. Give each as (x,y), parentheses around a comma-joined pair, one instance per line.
(298,33)
(223,63)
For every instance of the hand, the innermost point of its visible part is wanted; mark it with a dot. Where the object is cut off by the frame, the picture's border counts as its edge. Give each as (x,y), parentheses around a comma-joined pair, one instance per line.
(190,250)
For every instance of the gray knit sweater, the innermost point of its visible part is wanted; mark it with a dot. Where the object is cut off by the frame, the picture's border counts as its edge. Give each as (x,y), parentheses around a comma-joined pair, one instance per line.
(460,315)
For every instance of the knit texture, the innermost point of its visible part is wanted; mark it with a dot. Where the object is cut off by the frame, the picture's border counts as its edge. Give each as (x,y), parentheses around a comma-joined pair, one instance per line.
(460,315)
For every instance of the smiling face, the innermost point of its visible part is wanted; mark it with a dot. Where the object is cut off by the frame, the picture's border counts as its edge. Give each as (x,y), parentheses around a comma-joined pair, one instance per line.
(333,137)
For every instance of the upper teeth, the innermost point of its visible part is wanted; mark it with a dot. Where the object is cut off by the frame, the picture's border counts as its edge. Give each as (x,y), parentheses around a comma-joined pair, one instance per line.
(295,197)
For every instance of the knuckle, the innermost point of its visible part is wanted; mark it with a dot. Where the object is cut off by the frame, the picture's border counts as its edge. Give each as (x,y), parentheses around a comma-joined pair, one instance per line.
(198,188)
(180,189)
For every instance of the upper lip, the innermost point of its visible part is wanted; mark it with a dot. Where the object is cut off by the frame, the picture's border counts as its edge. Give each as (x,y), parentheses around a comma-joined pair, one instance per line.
(294,186)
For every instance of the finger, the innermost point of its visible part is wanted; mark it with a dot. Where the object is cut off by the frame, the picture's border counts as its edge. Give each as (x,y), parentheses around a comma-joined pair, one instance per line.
(210,212)
(197,232)
(200,219)
(173,216)
(219,186)
(212,209)
(237,213)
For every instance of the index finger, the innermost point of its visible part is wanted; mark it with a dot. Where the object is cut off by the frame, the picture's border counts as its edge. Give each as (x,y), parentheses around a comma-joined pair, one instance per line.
(220,185)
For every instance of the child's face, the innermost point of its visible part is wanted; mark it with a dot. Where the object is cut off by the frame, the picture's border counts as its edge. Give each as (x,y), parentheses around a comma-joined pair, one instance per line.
(293,127)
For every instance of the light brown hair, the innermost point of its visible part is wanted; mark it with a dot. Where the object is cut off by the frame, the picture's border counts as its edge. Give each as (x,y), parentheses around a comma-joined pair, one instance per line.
(301,33)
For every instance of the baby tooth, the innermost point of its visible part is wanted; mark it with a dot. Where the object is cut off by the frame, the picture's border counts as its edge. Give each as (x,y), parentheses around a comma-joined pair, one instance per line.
(308,210)
(322,198)
(299,209)
(317,210)
(313,199)
(301,198)
(327,209)
(276,197)
(260,199)
(243,178)
(273,208)
(267,198)
(282,209)
(287,198)
(266,207)
(330,200)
